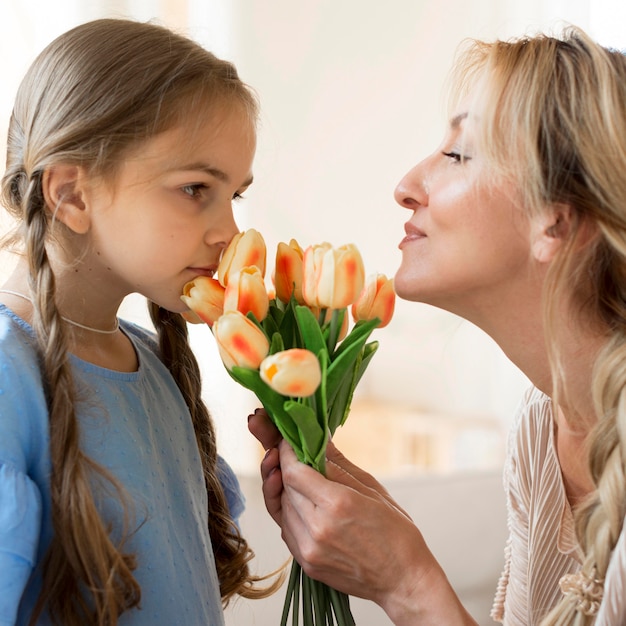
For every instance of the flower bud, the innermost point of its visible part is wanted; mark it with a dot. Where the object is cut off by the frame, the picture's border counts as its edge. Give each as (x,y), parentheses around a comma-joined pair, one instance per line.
(205,297)
(245,249)
(246,292)
(294,373)
(333,277)
(377,299)
(240,341)
(288,272)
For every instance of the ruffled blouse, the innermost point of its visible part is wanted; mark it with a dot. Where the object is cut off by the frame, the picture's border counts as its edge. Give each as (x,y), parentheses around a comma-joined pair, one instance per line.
(542,546)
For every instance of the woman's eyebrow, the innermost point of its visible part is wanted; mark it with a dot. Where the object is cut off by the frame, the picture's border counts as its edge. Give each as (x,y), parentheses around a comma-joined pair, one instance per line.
(455,122)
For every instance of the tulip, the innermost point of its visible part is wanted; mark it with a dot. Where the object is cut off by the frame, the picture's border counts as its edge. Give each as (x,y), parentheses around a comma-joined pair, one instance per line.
(377,299)
(245,249)
(205,297)
(333,277)
(288,272)
(240,341)
(295,373)
(246,292)
(191,317)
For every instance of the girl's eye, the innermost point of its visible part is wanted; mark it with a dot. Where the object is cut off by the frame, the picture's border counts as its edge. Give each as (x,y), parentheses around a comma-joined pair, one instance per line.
(195,190)
(237,196)
(457,157)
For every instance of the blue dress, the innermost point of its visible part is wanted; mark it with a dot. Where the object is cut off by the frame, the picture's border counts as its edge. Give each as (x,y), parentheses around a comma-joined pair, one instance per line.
(138,427)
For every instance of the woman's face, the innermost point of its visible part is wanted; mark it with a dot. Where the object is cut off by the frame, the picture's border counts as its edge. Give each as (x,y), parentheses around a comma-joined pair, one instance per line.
(467,240)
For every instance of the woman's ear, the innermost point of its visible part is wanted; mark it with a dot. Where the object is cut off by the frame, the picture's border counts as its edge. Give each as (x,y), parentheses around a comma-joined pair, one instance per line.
(550,231)
(65,194)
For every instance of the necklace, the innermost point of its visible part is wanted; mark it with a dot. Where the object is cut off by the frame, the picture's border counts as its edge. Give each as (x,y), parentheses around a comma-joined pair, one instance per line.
(65,319)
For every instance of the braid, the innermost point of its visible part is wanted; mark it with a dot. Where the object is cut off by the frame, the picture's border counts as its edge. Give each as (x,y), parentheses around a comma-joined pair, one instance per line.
(81,560)
(232,553)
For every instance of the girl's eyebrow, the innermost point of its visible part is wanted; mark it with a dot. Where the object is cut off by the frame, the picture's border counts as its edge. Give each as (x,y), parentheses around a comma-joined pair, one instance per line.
(455,122)
(215,172)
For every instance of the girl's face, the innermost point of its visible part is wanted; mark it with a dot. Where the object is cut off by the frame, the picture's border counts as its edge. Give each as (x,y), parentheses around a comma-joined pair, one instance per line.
(169,215)
(467,241)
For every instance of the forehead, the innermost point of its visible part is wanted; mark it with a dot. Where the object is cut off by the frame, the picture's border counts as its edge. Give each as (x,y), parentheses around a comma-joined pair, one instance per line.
(221,135)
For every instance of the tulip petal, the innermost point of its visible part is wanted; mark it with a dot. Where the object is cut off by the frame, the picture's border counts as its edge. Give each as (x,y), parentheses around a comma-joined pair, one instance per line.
(205,297)
(295,373)
(240,341)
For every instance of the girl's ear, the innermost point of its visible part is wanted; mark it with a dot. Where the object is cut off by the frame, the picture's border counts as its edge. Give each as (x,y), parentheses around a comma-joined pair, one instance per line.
(549,231)
(65,194)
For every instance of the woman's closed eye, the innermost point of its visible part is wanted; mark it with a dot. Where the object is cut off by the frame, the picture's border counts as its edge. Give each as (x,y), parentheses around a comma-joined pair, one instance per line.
(456,156)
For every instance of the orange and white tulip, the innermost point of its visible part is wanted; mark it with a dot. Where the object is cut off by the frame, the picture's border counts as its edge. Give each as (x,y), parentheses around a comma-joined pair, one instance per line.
(377,299)
(245,249)
(288,272)
(204,296)
(295,373)
(246,292)
(240,341)
(333,277)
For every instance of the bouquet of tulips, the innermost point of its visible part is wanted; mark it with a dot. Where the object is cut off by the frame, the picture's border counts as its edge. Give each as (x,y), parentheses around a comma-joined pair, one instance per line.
(294,351)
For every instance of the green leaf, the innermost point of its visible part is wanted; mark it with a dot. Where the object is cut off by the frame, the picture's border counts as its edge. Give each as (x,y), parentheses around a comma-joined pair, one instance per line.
(271,324)
(312,436)
(362,329)
(272,402)
(289,327)
(339,404)
(368,352)
(336,322)
(311,333)
(277,344)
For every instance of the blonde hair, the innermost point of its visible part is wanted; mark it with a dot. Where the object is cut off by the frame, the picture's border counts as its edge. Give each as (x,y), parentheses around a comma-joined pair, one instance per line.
(555,126)
(95,92)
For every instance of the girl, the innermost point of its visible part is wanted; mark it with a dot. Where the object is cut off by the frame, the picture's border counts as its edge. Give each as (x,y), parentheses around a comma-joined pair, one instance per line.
(518,224)
(126,148)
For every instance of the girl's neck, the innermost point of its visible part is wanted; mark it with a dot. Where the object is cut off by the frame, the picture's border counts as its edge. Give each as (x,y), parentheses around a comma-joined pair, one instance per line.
(110,350)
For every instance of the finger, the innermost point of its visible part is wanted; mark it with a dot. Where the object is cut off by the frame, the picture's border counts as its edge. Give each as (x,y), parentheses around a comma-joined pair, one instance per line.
(261,426)
(270,463)
(272,493)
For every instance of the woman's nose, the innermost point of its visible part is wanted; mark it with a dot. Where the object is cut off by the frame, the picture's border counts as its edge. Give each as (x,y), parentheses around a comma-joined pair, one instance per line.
(412,190)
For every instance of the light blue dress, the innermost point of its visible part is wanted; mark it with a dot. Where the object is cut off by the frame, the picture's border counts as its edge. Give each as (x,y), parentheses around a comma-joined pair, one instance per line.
(137,426)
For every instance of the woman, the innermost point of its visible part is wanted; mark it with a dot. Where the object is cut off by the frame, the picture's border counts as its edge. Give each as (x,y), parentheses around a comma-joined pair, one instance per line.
(518,224)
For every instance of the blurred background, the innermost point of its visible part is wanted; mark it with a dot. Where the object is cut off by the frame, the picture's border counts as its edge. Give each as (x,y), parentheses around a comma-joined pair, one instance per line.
(352,97)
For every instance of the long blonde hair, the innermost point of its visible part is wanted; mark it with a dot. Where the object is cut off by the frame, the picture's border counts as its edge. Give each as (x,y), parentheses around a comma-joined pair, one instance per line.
(98,90)
(555,125)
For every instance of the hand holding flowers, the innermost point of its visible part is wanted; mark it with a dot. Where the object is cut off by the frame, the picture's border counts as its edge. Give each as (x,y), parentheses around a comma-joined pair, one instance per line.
(294,352)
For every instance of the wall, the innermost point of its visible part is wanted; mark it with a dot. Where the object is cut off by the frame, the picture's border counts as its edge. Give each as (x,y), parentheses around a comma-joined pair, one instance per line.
(351,96)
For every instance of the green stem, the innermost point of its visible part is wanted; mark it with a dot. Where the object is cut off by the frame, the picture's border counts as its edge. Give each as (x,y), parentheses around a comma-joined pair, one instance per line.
(341,607)
(294,575)
(307,601)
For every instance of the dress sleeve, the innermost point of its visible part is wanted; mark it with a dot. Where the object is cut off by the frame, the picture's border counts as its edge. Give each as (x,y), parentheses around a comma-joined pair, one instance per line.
(20,522)
(232,489)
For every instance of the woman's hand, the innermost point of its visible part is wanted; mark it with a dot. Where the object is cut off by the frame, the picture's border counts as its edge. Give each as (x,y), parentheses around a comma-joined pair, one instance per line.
(346,530)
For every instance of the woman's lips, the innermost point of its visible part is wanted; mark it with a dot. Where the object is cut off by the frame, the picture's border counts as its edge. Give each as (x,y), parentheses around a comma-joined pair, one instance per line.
(412,234)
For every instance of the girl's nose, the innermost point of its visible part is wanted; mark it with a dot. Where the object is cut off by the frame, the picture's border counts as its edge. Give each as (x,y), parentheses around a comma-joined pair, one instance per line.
(412,190)
(221,233)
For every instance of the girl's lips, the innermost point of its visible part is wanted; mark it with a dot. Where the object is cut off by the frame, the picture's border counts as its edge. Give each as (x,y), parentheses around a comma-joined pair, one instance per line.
(412,234)
(203,271)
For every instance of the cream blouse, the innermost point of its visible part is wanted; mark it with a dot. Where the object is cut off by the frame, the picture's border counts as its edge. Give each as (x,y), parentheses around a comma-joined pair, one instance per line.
(542,546)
